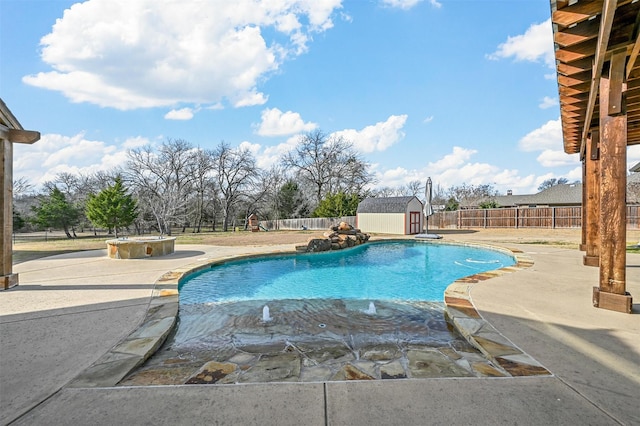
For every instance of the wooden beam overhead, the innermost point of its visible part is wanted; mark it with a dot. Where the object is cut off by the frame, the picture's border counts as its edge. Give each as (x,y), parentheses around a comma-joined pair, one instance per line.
(577,12)
(608,13)
(582,32)
(575,79)
(575,67)
(634,55)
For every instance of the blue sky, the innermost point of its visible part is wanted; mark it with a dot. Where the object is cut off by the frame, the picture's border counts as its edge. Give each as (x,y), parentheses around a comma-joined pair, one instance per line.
(462,91)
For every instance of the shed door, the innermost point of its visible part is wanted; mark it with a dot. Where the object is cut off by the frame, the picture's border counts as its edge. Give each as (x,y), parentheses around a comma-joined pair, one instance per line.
(414,222)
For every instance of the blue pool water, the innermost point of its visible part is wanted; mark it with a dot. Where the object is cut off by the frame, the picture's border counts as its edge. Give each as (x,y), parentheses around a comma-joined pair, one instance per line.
(381,271)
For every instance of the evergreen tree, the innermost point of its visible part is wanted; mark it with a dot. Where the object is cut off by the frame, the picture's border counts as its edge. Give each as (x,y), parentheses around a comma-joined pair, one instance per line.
(337,205)
(18,221)
(56,212)
(291,202)
(112,208)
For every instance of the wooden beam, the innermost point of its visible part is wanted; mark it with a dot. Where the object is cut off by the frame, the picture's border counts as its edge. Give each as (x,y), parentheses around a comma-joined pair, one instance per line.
(19,135)
(7,278)
(575,67)
(575,79)
(582,32)
(608,13)
(634,55)
(591,200)
(577,12)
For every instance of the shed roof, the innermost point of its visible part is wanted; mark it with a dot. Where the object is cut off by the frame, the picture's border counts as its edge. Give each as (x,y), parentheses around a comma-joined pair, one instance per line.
(385,204)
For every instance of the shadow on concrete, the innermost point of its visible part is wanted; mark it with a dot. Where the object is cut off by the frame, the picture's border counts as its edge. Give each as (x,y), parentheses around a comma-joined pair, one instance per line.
(594,362)
(42,351)
(71,310)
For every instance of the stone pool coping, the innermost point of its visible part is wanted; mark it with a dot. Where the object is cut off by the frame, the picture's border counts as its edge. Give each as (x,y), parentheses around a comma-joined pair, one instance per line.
(162,314)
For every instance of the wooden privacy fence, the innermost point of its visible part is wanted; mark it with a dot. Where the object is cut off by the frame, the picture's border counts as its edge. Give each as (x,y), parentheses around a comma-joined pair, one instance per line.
(526,217)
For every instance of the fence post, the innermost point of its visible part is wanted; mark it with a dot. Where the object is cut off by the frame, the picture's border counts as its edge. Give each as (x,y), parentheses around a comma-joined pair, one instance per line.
(553,218)
(484,217)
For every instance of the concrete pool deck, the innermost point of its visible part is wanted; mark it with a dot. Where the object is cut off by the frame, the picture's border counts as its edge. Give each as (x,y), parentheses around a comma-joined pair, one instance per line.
(70,310)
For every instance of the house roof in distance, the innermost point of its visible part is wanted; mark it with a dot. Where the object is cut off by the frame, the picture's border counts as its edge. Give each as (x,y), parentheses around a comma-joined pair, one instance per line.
(562,194)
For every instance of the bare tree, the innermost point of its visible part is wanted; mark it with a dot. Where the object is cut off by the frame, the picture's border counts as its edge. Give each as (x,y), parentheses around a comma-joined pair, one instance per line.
(22,187)
(552,182)
(328,165)
(235,173)
(204,190)
(162,181)
(414,188)
(470,196)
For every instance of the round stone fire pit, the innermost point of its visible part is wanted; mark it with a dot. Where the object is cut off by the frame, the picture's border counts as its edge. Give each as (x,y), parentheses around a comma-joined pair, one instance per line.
(140,247)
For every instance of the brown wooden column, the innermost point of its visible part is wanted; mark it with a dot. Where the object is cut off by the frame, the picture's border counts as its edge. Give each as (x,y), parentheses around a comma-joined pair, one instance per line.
(8,279)
(583,209)
(611,293)
(10,132)
(591,202)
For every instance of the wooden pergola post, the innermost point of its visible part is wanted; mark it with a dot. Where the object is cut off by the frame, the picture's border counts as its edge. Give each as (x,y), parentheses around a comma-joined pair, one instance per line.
(591,200)
(597,52)
(10,132)
(611,293)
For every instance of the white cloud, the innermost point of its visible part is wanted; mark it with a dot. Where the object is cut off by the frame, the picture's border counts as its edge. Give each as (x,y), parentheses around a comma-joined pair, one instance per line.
(179,114)
(408,4)
(268,156)
(534,45)
(277,123)
(548,136)
(428,119)
(55,153)
(457,157)
(135,142)
(557,158)
(548,102)
(457,168)
(575,174)
(548,139)
(377,137)
(148,53)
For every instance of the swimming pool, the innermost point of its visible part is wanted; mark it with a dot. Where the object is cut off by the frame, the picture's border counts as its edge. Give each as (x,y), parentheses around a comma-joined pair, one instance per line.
(398,270)
(312,334)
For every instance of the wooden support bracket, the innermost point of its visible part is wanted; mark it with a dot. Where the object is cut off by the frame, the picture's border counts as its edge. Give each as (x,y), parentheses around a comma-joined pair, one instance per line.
(612,301)
(595,140)
(617,82)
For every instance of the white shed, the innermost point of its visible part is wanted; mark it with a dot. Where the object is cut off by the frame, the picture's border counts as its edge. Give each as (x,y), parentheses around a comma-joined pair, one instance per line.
(390,215)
